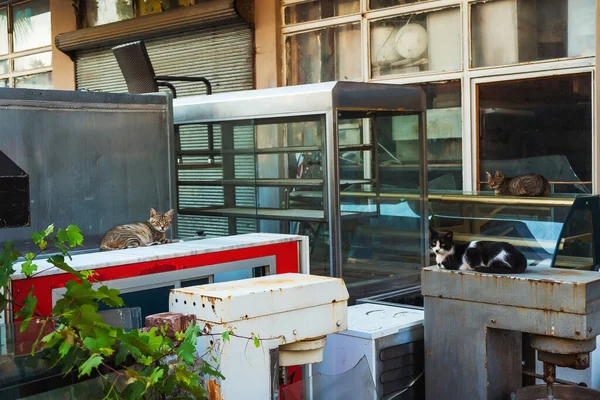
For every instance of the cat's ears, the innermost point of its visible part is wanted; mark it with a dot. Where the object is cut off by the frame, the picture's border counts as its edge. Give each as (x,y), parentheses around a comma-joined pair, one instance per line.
(449,235)
(489,176)
(170,213)
(153,212)
(499,174)
(431,230)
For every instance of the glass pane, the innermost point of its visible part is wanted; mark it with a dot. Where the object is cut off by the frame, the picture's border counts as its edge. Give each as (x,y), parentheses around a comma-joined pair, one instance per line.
(33,61)
(4,83)
(577,251)
(4,66)
(374,4)
(322,55)
(3,31)
(31,25)
(37,81)
(100,12)
(381,235)
(524,126)
(414,43)
(533,228)
(510,32)
(444,138)
(147,7)
(315,10)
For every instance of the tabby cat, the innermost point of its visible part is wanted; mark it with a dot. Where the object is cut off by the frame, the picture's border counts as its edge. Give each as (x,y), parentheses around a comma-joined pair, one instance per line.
(139,234)
(480,256)
(533,185)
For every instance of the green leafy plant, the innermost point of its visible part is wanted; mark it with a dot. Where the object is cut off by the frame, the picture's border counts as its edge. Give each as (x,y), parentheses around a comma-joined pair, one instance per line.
(133,364)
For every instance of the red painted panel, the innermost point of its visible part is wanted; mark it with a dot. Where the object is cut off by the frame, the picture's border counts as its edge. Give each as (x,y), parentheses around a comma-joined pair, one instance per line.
(286,261)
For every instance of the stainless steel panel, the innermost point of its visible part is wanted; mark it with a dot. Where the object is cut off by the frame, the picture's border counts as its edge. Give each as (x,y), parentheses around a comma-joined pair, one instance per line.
(94,159)
(298,100)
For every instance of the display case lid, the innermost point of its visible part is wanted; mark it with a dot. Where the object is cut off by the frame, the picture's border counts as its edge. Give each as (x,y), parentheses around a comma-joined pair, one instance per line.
(373,321)
(316,98)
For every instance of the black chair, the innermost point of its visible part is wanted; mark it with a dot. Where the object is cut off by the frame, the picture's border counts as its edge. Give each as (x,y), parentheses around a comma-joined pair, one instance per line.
(139,74)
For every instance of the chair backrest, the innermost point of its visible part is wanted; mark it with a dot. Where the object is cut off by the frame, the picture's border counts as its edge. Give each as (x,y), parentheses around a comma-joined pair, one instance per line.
(136,67)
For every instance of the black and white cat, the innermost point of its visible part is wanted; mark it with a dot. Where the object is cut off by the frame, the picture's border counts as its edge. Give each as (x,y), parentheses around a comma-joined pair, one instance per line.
(481,256)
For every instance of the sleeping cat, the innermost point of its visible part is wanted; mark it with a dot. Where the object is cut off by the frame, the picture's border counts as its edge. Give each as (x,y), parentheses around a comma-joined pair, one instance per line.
(481,256)
(534,185)
(139,234)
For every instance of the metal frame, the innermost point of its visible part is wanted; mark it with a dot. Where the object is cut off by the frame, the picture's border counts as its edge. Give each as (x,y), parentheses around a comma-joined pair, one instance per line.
(11,75)
(466,73)
(314,99)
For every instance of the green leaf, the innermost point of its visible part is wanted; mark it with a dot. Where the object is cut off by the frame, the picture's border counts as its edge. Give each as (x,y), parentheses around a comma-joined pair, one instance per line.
(185,352)
(155,376)
(170,384)
(89,364)
(135,390)
(84,317)
(28,268)
(225,336)
(110,297)
(121,354)
(29,256)
(59,262)
(26,312)
(101,343)
(146,360)
(72,236)
(179,336)
(7,258)
(49,230)
(52,339)
(208,370)
(256,342)
(64,348)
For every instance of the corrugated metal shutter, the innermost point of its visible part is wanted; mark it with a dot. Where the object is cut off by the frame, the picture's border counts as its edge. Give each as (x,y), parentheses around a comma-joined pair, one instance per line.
(224,55)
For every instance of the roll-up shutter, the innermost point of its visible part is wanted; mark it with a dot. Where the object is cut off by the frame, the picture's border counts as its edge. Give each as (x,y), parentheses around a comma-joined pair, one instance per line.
(224,55)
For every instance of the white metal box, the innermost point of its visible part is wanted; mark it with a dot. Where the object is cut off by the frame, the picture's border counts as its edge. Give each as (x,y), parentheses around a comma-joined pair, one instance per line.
(391,338)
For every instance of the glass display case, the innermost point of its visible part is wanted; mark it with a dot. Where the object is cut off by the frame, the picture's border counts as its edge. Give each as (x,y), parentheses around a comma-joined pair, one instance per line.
(312,160)
(554,232)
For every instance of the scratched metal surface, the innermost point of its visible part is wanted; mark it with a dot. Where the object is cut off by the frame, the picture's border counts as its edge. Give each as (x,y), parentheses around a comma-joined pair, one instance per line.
(94,159)
(549,289)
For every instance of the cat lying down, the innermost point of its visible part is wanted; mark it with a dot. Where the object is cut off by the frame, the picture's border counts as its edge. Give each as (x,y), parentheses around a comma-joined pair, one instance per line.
(481,256)
(139,234)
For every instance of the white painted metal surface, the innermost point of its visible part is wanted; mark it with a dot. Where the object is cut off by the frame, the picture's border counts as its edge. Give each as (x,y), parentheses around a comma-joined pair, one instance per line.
(279,310)
(100,260)
(371,328)
(227,302)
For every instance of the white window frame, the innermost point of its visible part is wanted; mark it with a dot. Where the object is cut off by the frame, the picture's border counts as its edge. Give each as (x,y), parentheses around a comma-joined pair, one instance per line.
(11,75)
(468,76)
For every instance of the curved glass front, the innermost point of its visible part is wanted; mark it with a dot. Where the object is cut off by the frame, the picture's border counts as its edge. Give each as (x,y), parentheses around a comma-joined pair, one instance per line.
(551,232)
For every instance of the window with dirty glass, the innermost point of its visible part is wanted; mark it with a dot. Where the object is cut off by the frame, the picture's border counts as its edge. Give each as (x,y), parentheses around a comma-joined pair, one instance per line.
(375,4)
(507,32)
(3,31)
(541,126)
(318,56)
(317,9)
(26,45)
(414,43)
(100,12)
(31,25)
